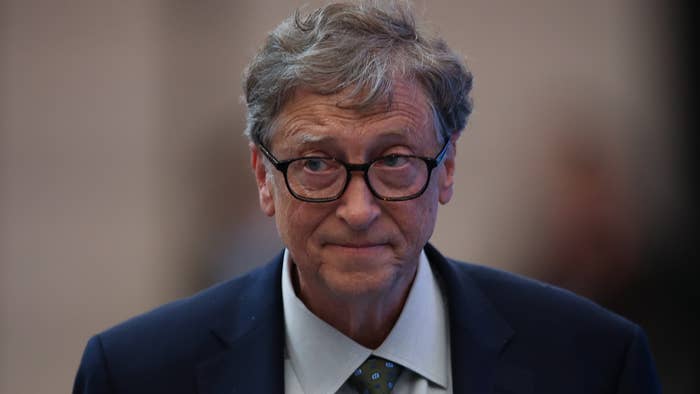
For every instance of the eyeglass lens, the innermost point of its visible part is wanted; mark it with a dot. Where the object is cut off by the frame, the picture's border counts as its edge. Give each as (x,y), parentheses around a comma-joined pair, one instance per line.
(390,177)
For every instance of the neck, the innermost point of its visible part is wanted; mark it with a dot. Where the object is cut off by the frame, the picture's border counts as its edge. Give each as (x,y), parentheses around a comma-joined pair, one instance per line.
(367,318)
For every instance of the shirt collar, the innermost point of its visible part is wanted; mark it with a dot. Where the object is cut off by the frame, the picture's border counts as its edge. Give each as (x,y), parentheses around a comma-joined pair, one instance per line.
(323,358)
(420,338)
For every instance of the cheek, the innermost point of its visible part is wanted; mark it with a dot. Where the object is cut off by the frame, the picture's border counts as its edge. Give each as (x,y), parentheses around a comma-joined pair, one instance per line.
(423,217)
(296,223)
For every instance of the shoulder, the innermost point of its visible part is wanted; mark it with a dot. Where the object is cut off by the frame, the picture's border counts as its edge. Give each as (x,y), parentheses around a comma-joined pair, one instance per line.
(556,333)
(237,298)
(515,295)
(520,301)
(528,304)
(541,318)
(172,339)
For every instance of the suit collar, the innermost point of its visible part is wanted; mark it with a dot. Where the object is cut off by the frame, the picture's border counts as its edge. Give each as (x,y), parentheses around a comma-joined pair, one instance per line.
(250,332)
(478,332)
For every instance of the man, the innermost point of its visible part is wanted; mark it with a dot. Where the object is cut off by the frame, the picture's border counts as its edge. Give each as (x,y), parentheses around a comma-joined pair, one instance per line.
(353,118)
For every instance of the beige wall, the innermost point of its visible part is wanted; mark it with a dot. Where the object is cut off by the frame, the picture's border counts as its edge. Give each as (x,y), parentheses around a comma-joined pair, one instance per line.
(123,172)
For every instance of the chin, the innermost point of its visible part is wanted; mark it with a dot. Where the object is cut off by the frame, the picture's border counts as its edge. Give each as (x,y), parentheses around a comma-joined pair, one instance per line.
(361,283)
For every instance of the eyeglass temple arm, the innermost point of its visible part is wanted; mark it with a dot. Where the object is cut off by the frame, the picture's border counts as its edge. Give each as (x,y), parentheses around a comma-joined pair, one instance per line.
(268,154)
(443,152)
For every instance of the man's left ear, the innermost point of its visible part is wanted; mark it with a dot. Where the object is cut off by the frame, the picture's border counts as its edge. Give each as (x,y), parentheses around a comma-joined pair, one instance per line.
(446,180)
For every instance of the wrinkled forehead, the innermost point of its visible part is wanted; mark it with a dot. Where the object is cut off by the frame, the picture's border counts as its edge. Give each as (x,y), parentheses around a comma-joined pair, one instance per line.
(309,116)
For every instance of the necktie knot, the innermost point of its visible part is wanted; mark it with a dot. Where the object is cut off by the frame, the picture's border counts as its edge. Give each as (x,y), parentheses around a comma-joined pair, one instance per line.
(375,376)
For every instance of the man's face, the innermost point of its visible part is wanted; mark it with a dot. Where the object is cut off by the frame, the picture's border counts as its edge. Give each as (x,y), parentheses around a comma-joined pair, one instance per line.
(357,245)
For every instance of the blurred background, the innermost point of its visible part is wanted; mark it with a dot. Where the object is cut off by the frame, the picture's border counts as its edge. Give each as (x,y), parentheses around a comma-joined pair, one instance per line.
(125,183)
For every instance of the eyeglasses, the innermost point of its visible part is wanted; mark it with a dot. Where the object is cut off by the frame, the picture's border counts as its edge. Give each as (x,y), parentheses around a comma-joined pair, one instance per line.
(390,178)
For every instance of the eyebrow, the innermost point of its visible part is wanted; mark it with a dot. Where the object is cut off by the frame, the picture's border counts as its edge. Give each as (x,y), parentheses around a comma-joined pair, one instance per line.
(394,134)
(307,138)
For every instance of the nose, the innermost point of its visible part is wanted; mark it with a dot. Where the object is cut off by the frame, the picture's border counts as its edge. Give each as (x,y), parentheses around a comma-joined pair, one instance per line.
(358,206)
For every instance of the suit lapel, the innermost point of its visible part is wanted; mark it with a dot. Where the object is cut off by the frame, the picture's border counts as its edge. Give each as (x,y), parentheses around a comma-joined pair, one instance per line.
(478,333)
(250,333)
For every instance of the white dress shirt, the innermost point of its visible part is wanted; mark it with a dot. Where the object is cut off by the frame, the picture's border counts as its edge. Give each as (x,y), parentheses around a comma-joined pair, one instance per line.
(319,359)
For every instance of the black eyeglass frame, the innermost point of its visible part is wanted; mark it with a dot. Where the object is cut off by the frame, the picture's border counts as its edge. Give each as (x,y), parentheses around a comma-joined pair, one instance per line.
(283,165)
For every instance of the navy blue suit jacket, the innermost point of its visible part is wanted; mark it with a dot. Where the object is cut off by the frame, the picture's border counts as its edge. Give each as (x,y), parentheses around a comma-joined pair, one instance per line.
(508,335)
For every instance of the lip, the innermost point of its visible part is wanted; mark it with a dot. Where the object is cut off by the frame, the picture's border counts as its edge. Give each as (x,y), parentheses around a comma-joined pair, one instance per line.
(358,249)
(357,245)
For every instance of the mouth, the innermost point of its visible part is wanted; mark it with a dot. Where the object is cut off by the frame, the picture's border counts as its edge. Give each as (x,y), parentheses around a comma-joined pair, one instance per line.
(358,248)
(357,245)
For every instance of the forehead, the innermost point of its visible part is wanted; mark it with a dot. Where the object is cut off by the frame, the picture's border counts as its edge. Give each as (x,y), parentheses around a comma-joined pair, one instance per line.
(308,117)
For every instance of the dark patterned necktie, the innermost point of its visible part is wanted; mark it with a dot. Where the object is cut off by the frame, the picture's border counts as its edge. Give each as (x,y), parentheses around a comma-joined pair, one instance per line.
(375,376)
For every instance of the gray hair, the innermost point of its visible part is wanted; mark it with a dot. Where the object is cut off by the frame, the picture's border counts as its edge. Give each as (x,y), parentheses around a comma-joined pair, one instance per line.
(361,46)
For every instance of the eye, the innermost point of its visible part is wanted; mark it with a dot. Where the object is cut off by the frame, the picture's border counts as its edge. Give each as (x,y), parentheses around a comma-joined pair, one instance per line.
(315,164)
(392,161)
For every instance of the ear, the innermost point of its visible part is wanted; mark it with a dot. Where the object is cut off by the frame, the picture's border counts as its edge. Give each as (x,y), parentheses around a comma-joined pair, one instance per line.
(257,162)
(446,181)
